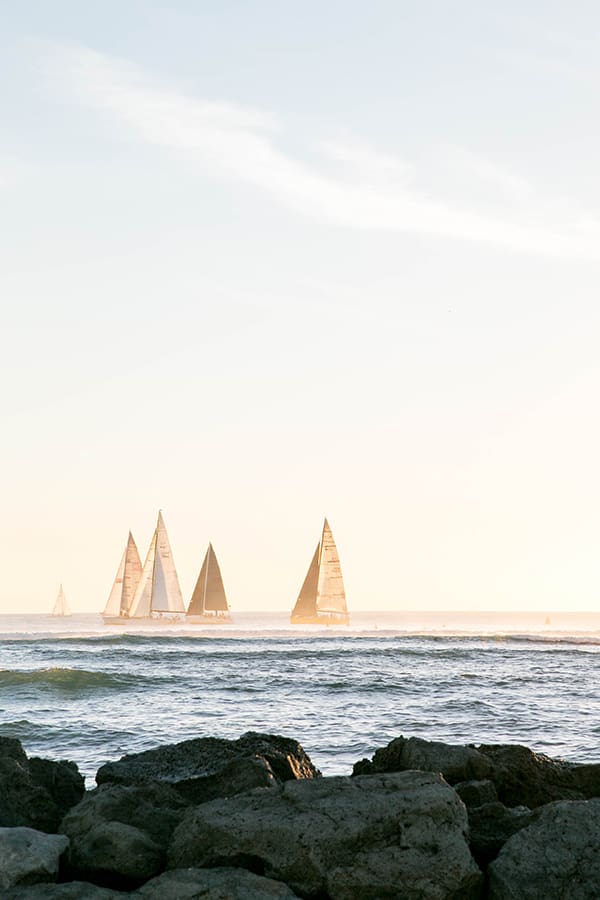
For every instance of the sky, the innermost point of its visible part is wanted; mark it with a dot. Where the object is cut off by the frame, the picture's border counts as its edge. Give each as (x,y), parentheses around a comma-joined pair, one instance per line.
(265,262)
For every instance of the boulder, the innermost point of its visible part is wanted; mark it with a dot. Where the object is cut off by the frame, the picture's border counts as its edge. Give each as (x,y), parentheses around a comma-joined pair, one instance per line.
(28,856)
(214,884)
(555,857)
(206,768)
(72,890)
(389,835)
(119,835)
(476,793)
(455,761)
(523,777)
(491,825)
(35,793)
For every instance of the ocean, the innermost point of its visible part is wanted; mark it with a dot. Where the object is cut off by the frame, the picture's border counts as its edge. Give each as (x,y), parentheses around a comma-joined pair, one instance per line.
(75,689)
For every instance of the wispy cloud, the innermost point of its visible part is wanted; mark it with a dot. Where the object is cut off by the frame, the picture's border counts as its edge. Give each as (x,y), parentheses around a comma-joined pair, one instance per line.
(348,184)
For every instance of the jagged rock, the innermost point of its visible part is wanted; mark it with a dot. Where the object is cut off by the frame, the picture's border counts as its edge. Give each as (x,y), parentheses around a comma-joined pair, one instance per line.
(206,768)
(72,890)
(214,884)
(455,762)
(491,825)
(556,857)
(35,793)
(523,777)
(28,856)
(390,835)
(119,834)
(476,793)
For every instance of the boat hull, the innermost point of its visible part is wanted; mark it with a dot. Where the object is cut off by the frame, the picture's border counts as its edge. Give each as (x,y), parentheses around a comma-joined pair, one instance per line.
(323,619)
(209,620)
(168,619)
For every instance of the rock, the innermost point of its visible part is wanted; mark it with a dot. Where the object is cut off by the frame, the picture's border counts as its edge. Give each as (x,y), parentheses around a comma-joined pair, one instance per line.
(555,857)
(28,856)
(455,762)
(491,825)
(523,777)
(119,834)
(36,793)
(206,768)
(476,793)
(214,884)
(72,890)
(389,835)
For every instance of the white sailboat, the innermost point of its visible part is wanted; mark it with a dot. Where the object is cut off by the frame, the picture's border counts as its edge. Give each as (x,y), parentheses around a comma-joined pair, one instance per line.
(322,598)
(209,604)
(61,607)
(126,581)
(158,595)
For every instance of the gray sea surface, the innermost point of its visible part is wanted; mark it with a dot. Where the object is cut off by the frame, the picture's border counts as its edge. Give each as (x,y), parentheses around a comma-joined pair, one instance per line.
(76,689)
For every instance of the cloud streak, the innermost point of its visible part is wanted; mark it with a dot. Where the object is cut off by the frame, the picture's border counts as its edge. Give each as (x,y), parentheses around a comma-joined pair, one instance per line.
(348,185)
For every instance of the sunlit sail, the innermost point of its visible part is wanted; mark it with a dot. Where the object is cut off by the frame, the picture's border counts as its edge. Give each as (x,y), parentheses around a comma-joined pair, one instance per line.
(209,602)
(322,599)
(61,607)
(124,586)
(158,595)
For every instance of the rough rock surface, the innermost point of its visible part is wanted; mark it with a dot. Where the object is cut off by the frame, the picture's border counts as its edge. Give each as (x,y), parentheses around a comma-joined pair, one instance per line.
(28,856)
(390,835)
(555,858)
(72,890)
(206,768)
(521,777)
(491,825)
(476,793)
(35,793)
(119,834)
(214,884)
(455,762)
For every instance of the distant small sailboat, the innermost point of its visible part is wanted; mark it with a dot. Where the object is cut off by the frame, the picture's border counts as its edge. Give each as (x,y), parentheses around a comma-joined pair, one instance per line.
(158,595)
(124,586)
(61,607)
(322,599)
(209,602)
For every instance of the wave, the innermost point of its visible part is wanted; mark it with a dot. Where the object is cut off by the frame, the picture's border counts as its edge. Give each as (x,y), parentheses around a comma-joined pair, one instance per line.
(64,679)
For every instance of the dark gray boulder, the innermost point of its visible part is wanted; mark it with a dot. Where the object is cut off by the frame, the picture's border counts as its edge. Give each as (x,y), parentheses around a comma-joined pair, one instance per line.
(555,858)
(491,825)
(119,834)
(28,856)
(476,793)
(71,890)
(456,762)
(390,835)
(206,768)
(213,884)
(35,793)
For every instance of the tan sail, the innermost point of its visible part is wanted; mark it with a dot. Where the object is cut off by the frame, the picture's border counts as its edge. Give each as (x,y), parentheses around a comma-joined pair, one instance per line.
(158,594)
(125,583)
(209,601)
(61,607)
(322,598)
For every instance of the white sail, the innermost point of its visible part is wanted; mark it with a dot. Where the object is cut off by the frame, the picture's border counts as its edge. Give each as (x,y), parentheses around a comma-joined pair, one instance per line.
(61,607)
(141,605)
(158,590)
(166,583)
(126,581)
(331,596)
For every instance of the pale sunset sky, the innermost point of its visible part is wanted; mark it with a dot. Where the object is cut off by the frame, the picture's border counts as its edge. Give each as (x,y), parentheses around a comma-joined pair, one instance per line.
(263,262)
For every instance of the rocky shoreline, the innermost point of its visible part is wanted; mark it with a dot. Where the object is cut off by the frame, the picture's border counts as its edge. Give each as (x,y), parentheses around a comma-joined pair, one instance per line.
(254,819)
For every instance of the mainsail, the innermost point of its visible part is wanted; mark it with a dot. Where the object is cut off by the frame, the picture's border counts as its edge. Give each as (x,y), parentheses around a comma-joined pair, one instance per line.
(322,598)
(61,607)
(209,594)
(158,589)
(126,581)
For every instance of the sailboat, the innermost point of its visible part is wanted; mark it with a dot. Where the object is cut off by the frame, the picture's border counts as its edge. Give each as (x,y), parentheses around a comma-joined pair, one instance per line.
(158,595)
(126,581)
(209,602)
(61,607)
(322,599)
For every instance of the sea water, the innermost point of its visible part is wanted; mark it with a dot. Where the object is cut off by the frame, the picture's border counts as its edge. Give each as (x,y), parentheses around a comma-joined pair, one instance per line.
(76,689)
